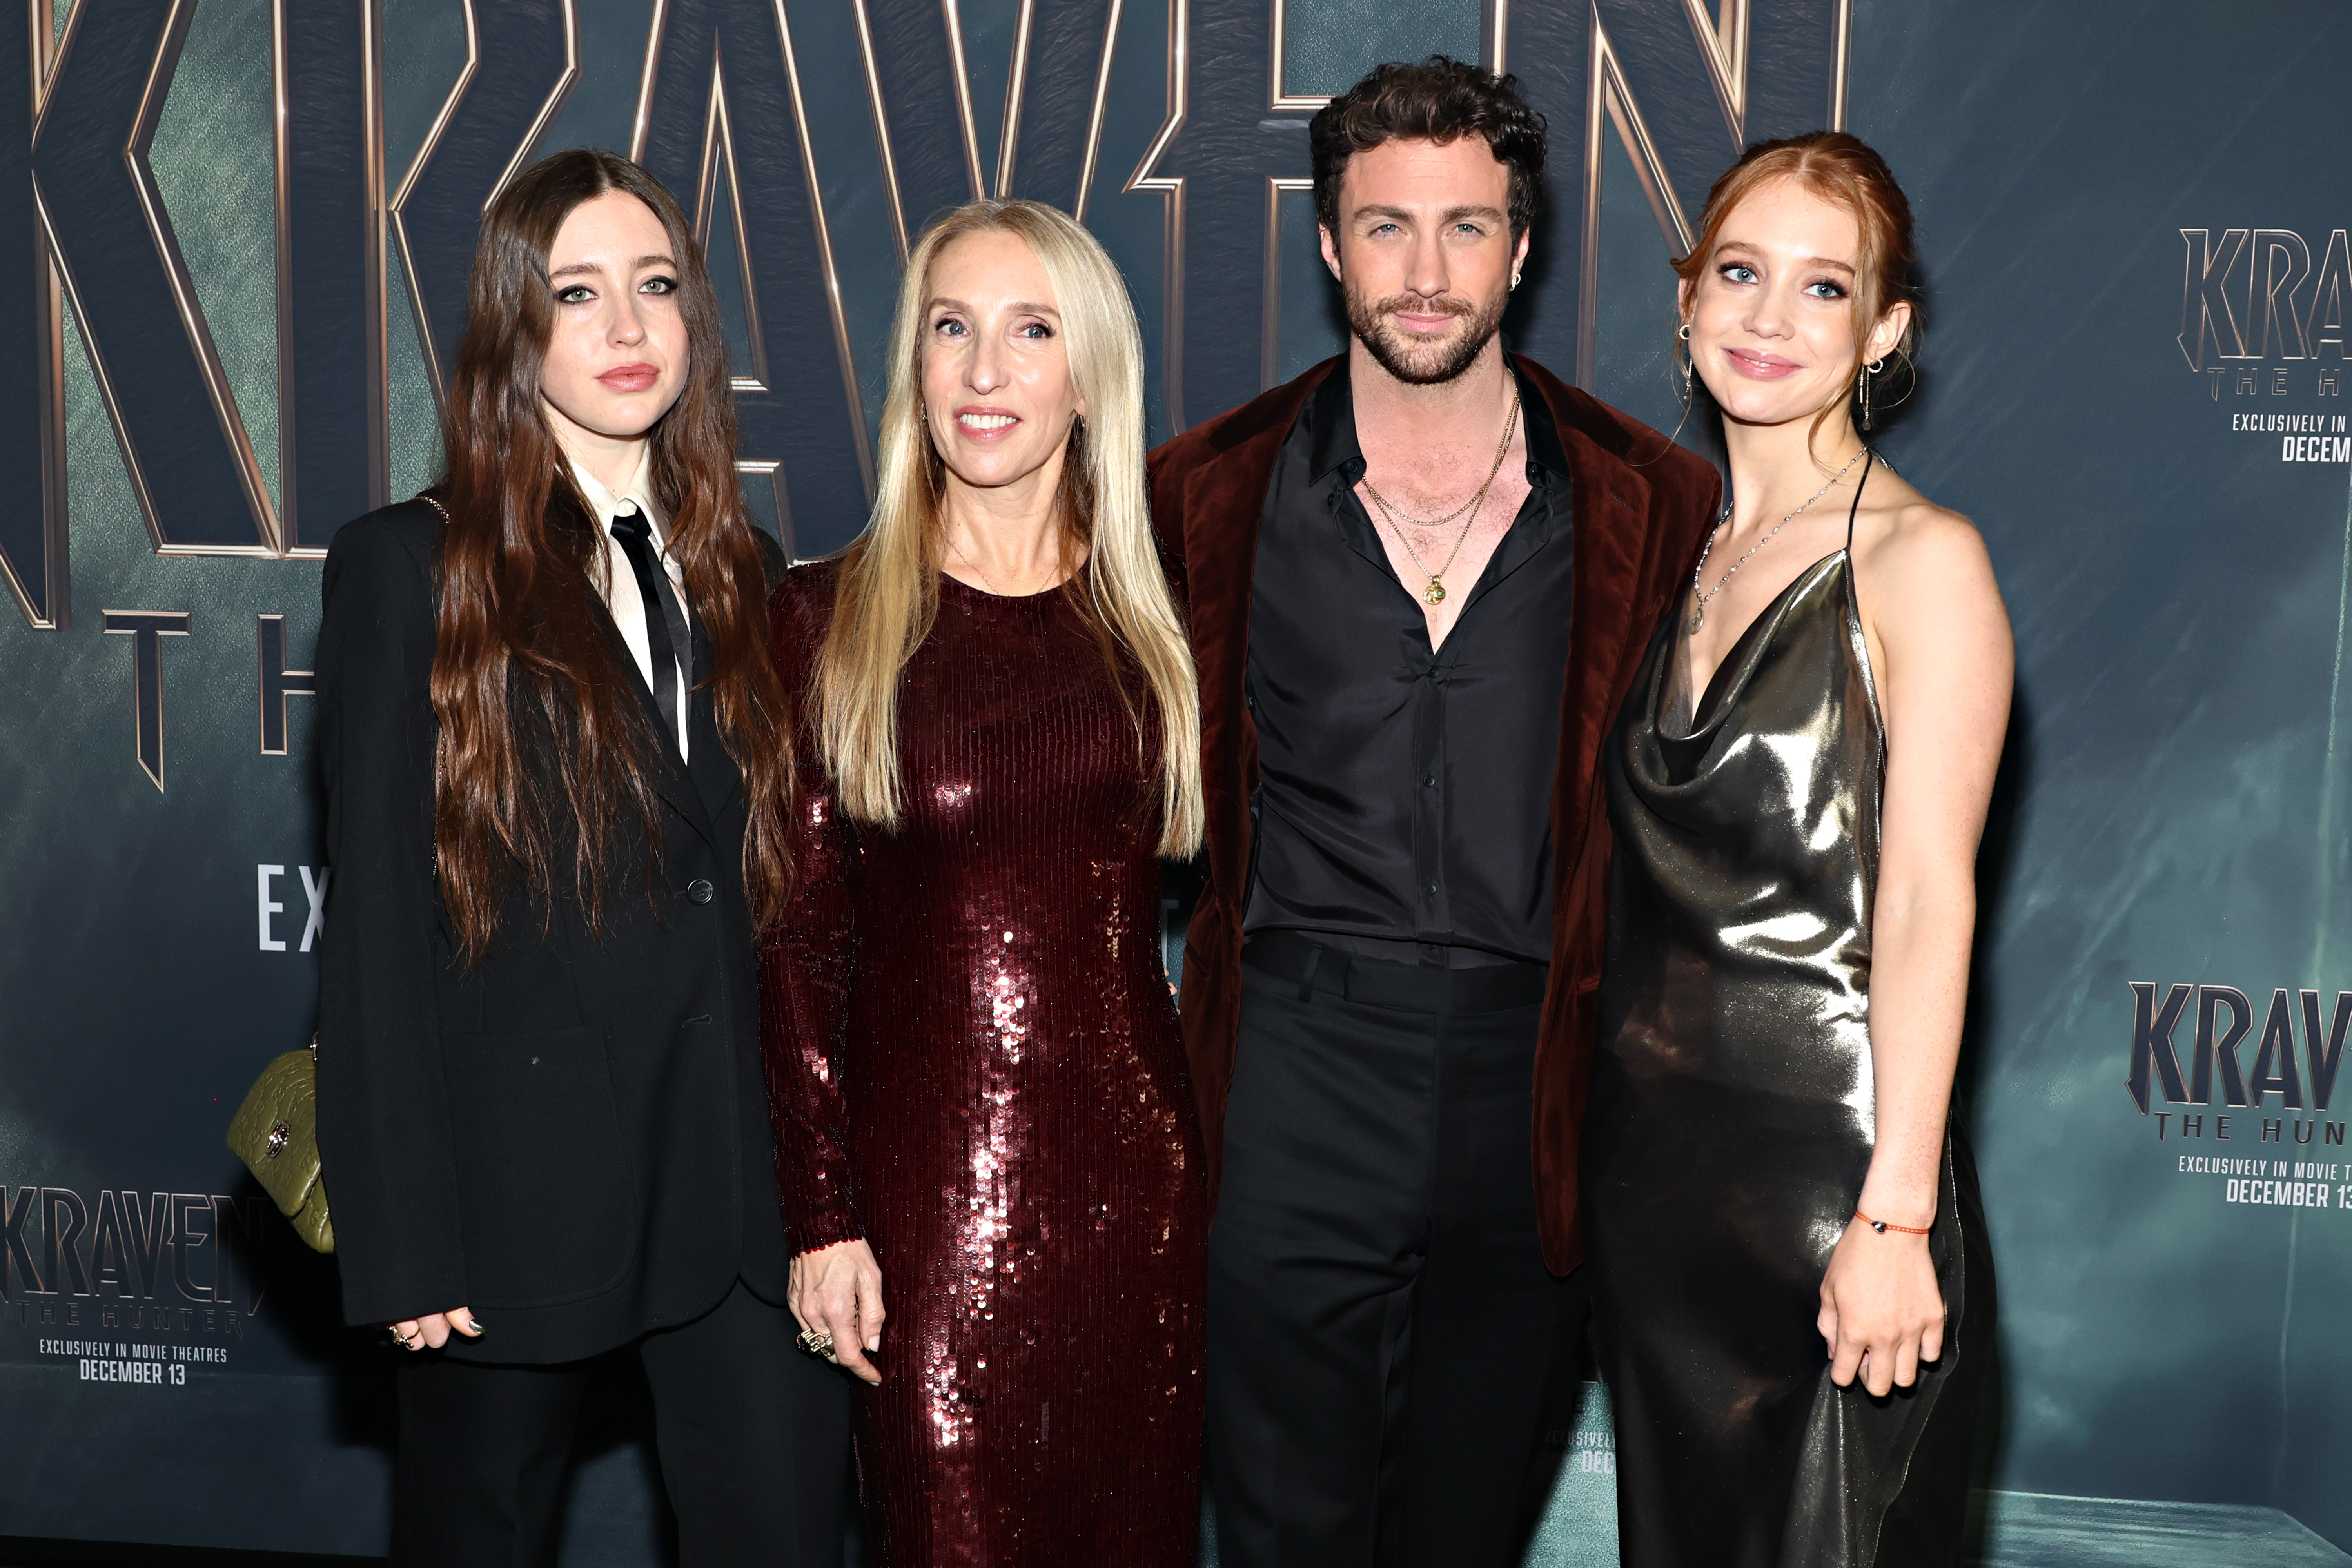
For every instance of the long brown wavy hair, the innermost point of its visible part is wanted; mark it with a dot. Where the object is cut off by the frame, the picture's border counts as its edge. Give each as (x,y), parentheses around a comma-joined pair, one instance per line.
(543,744)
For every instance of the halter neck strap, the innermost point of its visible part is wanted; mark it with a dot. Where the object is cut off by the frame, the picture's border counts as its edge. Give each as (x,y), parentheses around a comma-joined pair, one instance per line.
(1871,457)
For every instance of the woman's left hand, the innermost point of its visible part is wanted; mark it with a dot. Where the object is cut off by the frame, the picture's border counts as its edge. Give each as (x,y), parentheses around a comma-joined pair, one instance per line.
(837,1291)
(1882,1314)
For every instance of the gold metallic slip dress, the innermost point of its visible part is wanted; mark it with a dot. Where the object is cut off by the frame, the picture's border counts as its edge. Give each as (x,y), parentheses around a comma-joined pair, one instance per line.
(1732,1122)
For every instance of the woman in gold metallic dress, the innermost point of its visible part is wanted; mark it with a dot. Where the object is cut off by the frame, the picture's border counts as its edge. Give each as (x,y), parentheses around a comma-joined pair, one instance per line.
(1793,1294)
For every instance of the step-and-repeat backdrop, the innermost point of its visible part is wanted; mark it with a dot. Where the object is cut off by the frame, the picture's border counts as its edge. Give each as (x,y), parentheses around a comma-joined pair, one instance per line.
(240,232)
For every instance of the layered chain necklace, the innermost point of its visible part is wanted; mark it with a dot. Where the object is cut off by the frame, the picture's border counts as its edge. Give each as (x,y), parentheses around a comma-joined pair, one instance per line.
(1698,600)
(1435,592)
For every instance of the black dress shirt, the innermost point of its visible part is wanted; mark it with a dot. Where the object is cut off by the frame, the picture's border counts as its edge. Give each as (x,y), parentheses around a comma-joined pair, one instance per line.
(1404,808)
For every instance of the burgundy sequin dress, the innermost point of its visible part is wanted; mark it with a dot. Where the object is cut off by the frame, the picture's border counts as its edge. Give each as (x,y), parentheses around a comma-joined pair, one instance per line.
(975,1064)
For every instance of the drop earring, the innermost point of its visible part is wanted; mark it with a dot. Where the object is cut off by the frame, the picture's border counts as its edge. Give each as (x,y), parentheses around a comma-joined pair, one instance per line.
(1863,385)
(1688,369)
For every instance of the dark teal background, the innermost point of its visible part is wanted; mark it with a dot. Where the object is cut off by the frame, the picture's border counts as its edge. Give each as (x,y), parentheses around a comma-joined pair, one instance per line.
(2171,809)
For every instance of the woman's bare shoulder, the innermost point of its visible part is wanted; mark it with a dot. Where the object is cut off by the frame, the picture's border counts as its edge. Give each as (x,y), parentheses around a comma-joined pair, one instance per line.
(1902,538)
(1925,581)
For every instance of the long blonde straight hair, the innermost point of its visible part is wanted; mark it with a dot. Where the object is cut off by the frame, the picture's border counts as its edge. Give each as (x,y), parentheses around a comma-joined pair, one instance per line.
(888,592)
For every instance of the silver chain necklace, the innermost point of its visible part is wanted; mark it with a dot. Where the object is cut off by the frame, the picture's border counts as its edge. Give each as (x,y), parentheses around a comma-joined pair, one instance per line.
(1698,600)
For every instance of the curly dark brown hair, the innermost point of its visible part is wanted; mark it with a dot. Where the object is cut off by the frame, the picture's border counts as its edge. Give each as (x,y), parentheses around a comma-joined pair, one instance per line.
(1435,99)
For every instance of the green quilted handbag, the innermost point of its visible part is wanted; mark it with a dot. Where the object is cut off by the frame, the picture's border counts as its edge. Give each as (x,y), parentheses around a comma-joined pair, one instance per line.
(276,1133)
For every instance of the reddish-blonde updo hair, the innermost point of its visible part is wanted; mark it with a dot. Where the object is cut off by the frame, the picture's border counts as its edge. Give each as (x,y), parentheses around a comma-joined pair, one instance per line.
(1844,169)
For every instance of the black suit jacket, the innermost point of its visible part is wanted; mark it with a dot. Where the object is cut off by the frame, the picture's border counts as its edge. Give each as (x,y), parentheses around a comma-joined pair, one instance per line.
(570,1137)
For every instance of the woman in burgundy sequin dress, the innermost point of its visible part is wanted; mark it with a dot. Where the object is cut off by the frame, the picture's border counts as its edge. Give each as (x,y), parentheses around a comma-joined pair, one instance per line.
(980,1091)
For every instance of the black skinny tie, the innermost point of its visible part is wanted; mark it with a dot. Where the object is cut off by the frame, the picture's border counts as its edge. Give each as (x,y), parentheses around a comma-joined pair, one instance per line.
(664,621)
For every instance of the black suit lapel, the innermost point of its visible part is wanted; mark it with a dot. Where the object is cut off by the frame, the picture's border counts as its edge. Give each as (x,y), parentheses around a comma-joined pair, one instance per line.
(671,780)
(716,780)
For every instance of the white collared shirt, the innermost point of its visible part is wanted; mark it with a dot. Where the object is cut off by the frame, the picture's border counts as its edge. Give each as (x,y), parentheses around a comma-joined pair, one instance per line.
(618,581)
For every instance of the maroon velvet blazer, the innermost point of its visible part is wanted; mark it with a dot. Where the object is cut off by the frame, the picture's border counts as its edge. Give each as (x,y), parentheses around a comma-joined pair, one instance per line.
(1643,507)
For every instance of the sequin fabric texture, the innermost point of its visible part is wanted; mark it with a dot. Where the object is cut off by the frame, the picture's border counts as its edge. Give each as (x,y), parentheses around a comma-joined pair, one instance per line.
(975,1062)
(1732,1123)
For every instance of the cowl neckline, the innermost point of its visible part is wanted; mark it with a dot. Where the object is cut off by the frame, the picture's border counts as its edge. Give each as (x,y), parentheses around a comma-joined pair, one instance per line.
(1731,675)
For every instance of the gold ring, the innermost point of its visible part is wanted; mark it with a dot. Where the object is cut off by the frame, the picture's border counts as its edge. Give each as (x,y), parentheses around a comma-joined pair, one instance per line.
(817,1343)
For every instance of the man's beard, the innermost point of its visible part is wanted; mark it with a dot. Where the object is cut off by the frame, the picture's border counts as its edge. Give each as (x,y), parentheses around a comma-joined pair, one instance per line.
(1423,365)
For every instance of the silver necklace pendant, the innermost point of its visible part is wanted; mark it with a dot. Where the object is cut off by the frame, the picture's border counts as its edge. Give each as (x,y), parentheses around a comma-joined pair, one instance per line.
(1434,593)
(1698,573)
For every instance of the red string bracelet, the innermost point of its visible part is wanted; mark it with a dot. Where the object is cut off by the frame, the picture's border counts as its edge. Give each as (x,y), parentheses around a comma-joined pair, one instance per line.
(1882,1227)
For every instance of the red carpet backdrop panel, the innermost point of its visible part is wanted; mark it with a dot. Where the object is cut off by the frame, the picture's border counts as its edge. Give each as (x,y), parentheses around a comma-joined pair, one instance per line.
(240,233)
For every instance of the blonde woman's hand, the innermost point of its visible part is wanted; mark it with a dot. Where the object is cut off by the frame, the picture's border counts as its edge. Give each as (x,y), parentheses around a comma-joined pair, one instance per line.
(837,1290)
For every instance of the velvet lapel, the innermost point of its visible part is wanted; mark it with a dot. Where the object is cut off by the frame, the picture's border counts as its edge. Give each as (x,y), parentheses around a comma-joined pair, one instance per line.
(1610,502)
(1222,502)
(1208,494)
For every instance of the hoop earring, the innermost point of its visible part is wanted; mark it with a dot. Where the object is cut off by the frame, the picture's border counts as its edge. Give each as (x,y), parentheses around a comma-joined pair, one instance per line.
(1675,434)
(1515,282)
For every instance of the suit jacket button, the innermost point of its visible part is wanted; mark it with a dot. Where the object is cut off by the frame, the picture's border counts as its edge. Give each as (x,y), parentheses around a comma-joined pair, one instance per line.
(700,891)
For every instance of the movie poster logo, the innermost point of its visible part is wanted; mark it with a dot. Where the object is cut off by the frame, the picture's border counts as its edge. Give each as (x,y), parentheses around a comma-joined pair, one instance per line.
(128,1288)
(2271,1107)
(2261,320)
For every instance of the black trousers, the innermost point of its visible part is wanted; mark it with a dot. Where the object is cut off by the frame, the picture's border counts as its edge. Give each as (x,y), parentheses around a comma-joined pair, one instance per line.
(753,1437)
(1382,1329)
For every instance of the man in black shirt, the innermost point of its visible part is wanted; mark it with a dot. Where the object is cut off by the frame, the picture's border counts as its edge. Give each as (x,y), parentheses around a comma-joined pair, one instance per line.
(1419,581)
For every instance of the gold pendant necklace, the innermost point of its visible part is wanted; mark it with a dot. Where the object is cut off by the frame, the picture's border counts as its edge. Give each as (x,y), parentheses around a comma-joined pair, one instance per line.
(1434,593)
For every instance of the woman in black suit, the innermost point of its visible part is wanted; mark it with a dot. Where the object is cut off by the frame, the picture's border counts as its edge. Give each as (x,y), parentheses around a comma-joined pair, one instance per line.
(556,762)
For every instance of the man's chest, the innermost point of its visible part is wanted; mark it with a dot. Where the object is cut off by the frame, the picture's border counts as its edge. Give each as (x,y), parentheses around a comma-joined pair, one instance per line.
(1335,620)
(1439,559)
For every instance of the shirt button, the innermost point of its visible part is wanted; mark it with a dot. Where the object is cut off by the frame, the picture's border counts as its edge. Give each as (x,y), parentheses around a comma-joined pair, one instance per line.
(700,891)
(1431,890)
(1429,781)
